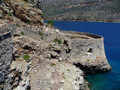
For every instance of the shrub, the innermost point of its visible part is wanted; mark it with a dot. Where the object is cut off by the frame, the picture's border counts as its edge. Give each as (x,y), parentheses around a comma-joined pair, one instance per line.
(41,33)
(68,70)
(9,14)
(17,25)
(51,22)
(43,15)
(58,41)
(22,33)
(26,0)
(26,57)
(28,22)
(53,64)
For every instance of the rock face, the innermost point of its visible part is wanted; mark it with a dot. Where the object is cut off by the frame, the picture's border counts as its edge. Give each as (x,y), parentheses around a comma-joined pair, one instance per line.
(6,49)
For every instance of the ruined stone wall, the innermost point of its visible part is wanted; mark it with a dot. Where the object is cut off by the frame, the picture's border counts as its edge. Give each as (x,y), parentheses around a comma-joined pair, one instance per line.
(84,49)
(6,49)
(86,44)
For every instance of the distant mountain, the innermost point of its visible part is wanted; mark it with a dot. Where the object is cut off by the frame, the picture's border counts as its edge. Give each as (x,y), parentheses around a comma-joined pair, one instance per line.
(85,10)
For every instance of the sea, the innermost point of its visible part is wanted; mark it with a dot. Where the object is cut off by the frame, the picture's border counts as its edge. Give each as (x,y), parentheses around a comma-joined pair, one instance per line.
(111,34)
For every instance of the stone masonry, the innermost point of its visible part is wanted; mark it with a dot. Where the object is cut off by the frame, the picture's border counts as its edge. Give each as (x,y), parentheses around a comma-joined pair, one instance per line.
(6,49)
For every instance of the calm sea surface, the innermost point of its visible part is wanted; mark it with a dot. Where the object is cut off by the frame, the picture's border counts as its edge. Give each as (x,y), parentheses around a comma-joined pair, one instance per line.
(111,33)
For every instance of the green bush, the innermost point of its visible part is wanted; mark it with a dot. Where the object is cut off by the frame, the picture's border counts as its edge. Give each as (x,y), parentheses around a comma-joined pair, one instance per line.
(28,22)
(53,64)
(68,70)
(26,57)
(26,0)
(50,22)
(17,25)
(43,15)
(41,33)
(9,14)
(58,41)
(22,33)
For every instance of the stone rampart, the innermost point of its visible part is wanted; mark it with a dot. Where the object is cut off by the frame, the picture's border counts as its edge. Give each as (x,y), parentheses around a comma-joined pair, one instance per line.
(87,52)
(6,49)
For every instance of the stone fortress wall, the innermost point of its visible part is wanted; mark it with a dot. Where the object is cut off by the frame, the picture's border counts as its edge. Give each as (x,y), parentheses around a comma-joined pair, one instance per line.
(84,50)
(6,50)
(87,50)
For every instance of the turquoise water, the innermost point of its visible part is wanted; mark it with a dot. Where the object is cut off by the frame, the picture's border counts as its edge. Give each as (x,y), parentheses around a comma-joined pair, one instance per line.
(111,33)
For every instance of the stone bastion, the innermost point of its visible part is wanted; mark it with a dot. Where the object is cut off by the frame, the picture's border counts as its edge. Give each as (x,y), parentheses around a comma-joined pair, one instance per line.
(88,51)
(85,50)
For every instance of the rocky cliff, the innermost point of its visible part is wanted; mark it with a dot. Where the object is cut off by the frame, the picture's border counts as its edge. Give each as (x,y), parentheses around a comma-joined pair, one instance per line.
(44,57)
